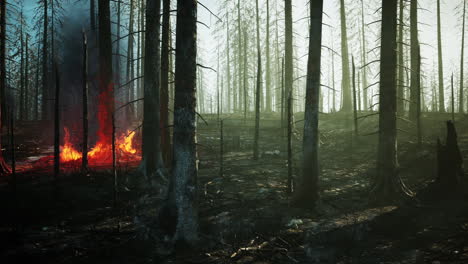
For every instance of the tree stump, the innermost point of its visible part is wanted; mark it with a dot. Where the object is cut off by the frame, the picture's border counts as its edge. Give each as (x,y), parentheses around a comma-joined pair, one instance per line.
(449,161)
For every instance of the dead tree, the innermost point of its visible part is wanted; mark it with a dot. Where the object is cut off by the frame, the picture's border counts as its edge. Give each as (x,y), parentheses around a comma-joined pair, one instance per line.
(56,125)
(45,71)
(183,189)
(289,145)
(84,160)
(388,186)
(258,89)
(3,76)
(308,190)
(221,149)
(164,108)
(453,100)
(356,129)
(449,161)
(152,157)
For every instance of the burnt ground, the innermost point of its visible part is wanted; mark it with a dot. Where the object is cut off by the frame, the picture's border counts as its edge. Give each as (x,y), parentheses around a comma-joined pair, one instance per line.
(245,216)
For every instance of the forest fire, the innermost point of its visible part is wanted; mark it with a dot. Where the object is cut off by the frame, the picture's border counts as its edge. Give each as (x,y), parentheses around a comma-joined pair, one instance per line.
(101,153)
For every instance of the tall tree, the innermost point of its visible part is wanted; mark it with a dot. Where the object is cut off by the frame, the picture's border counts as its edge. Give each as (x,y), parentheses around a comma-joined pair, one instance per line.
(183,190)
(228,65)
(415,89)
(3,84)
(106,89)
(387,186)
(45,70)
(364,57)
(462,65)
(441,67)
(347,105)
(164,102)
(267,64)
(400,64)
(129,111)
(239,56)
(152,158)
(308,192)
(258,88)
(92,14)
(288,62)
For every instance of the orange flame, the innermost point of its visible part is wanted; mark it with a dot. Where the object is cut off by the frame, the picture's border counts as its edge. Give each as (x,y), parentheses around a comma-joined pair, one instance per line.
(101,153)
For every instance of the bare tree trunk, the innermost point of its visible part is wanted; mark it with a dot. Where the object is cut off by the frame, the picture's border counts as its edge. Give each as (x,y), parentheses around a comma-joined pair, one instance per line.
(130,110)
(258,89)
(106,89)
(364,58)
(415,89)
(388,186)
(221,150)
(84,160)
(26,82)
(22,70)
(246,69)
(400,64)
(441,67)
(288,63)
(36,93)
(356,128)
(462,65)
(308,189)
(239,57)
(152,156)
(453,100)
(183,189)
(3,84)
(345,84)
(228,65)
(45,71)
(289,145)
(57,126)
(165,135)
(267,66)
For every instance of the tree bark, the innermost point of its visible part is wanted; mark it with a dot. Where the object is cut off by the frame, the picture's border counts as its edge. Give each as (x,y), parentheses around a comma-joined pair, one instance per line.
(267,65)
(308,189)
(364,59)
(462,65)
(440,59)
(164,110)
(106,88)
(84,151)
(3,84)
(152,156)
(400,65)
(388,186)
(347,105)
(258,89)
(415,89)
(288,73)
(129,91)
(45,71)
(183,190)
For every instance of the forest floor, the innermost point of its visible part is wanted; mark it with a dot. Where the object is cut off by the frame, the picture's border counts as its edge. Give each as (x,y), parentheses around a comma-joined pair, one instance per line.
(245,216)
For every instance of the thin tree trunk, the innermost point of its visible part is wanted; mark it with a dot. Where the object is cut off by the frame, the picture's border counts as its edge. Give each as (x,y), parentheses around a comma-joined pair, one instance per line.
(364,58)
(289,145)
(345,85)
(129,111)
(164,110)
(415,90)
(57,126)
(246,105)
(45,71)
(26,82)
(22,70)
(92,14)
(388,186)
(441,67)
(258,89)
(228,65)
(239,57)
(356,128)
(183,189)
(453,100)
(267,66)
(84,151)
(3,166)
(400,64)
(36,94)
(221,149)
(288,63)
(308,191)
(462,65)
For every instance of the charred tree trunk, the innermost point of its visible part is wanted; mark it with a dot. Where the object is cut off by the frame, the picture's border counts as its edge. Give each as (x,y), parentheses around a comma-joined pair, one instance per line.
(345,83)
(56,126)
(26,82)
(129,91)
(152,157)
(289,146)
(92,14)
(415,89)
(3,73)
(3,166)
(84,160)
(106,88)
(400,65)
(288,63)
(453,100)
(36,87)
(165,135)
(449,161)
(440,60)
(462,65)
(308,191)
(388,186)
(45,71)
(22,70)
(258,89)
(183,190)
(267,65)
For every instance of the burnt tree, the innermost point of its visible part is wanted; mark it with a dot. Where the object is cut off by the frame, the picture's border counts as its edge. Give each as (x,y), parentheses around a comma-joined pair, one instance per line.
(3,166)
(152,158)
(164,101)
(388,186)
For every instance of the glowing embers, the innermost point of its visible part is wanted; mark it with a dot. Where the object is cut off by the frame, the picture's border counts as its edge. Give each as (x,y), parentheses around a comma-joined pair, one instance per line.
(101,153)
